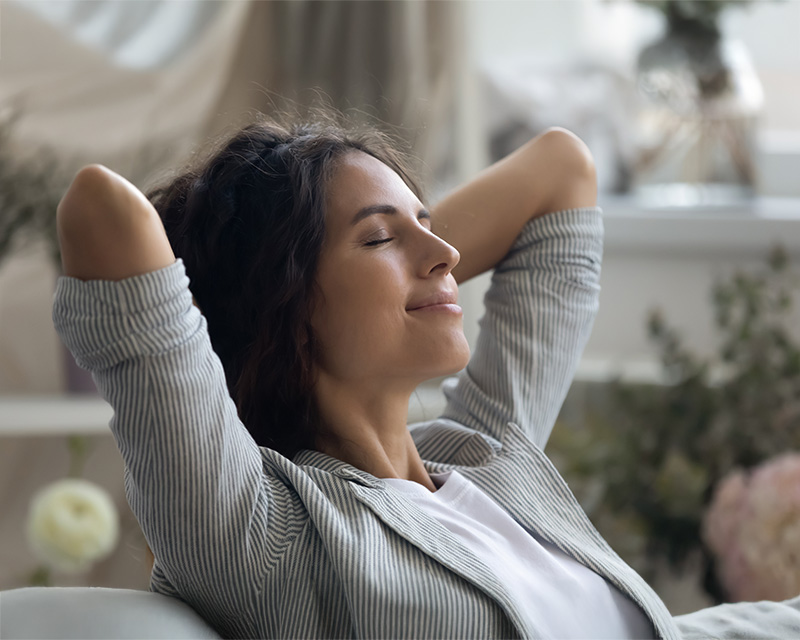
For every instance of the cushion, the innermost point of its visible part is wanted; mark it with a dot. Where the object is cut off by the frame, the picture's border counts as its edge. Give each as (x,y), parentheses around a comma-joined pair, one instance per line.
(93,613)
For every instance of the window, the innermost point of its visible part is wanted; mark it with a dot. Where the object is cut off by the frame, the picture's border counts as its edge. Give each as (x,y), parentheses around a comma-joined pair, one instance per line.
(505,33)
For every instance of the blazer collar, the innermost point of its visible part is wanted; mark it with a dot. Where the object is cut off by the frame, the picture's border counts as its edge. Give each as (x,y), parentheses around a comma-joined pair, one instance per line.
(471,448)
(324,462)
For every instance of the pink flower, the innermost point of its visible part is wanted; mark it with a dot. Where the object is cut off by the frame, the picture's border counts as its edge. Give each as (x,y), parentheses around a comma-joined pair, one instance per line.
(753,528)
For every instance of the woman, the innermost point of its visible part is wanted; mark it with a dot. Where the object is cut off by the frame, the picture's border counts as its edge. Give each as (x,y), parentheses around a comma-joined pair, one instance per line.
(274,475)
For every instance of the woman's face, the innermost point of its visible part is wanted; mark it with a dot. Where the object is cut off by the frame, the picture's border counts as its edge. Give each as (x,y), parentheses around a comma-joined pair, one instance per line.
(387,311)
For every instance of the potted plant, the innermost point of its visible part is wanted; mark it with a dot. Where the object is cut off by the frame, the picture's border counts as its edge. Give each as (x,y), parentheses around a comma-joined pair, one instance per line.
(652,458)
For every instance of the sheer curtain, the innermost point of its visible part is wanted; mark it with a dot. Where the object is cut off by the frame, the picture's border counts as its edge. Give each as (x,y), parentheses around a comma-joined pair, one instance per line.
(108,76)
(147,34)
(399,62)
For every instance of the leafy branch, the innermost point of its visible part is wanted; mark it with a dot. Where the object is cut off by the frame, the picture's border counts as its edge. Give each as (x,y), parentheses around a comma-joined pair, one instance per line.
(653,455)
(33,180)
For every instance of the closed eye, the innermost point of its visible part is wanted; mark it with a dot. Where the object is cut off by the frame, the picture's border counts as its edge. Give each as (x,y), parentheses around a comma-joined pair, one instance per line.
(377,242)
(423,215)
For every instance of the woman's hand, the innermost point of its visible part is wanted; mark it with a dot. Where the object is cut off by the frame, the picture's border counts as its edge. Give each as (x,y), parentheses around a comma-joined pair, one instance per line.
(107,228)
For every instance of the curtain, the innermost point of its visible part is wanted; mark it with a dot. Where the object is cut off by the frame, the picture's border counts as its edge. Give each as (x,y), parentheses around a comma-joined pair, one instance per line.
(88,78)
(398,61)
(85,89)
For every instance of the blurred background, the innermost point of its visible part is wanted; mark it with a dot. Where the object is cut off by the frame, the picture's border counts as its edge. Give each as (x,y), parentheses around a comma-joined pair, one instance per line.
(691,109)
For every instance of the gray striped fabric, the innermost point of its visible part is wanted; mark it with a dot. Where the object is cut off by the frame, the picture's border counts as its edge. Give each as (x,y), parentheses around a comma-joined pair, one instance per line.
(263,546)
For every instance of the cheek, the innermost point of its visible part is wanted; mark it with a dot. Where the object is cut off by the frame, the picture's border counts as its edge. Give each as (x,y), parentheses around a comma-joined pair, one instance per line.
(363,310)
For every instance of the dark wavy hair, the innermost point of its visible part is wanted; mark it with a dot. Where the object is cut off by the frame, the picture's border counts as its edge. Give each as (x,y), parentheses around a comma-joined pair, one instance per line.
(248,221)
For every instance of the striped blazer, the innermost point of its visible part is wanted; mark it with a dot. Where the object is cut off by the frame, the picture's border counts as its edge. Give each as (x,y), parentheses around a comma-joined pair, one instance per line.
(263,546)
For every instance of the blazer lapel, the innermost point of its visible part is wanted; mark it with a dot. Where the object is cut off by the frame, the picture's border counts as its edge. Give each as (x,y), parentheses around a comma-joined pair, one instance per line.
(435,540)
(420,529)
(524,481)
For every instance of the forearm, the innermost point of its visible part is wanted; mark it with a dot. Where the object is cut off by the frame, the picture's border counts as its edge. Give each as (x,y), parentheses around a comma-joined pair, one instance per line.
(126,314)
(537,317)
(483,217)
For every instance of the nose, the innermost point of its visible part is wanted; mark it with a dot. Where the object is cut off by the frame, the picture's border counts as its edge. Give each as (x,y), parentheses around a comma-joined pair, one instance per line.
(440,256)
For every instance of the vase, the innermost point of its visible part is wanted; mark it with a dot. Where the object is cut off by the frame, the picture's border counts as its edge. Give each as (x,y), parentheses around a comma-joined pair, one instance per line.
(700,103)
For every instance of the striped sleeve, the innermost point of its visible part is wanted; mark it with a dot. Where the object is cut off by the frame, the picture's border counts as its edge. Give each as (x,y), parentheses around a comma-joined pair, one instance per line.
(539,311)
(193,473)
(765,619)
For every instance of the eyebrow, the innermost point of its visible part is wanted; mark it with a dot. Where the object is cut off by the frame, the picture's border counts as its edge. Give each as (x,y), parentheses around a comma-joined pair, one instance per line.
(383,208)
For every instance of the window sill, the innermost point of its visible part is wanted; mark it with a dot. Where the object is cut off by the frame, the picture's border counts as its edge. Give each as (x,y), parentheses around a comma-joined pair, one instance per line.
(748,227)
(54,415)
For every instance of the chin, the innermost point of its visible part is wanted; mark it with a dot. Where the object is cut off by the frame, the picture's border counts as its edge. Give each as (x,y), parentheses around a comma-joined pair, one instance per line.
(455,361)
(462,363)
(434,359)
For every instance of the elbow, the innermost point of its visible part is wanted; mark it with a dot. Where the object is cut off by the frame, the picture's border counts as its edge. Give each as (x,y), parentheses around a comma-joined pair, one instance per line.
(574,177)
(572,152)
(80,214)
(82,201)
(90,182)
(107,229)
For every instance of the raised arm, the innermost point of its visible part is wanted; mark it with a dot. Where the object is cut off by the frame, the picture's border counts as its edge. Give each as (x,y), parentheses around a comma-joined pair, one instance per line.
(533,218)
(483,218)
(194,476)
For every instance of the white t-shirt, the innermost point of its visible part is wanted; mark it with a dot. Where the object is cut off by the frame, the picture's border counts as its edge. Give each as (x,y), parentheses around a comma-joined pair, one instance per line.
(560,594)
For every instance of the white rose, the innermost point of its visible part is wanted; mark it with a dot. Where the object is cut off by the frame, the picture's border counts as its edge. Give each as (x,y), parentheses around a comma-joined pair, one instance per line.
(71,524)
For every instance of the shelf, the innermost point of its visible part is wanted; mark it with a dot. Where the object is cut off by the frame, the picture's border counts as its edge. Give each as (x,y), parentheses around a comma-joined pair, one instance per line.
(89,415)
(749,227)
(53,415)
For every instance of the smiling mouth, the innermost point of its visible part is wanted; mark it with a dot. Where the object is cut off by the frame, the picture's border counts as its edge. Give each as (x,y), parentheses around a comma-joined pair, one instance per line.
(444,307)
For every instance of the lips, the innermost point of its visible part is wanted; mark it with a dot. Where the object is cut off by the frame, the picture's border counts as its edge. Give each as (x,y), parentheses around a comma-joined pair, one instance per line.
(440,297)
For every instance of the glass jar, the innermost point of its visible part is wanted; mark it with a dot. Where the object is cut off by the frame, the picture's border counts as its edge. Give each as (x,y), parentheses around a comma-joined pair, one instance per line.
(700,104)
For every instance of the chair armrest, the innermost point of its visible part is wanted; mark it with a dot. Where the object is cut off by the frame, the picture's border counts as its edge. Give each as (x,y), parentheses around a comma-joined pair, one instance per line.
(94,613)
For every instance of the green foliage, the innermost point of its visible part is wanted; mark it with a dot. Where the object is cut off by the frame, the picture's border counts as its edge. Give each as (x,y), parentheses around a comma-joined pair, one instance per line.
(79,449)
(32,183)
(30,189)
(654,454)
